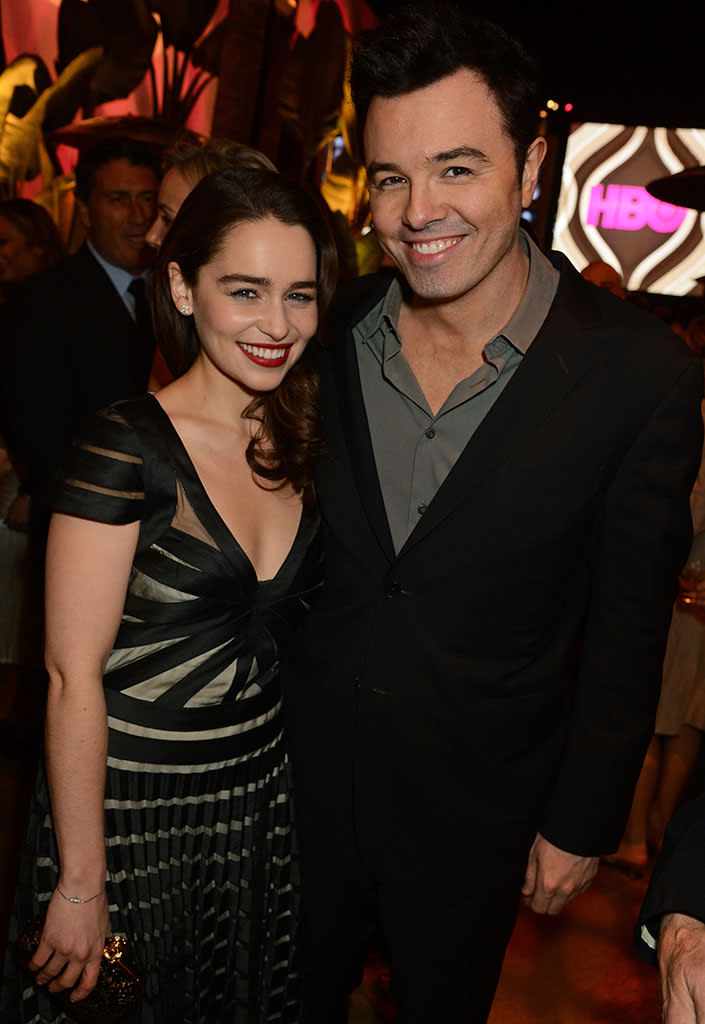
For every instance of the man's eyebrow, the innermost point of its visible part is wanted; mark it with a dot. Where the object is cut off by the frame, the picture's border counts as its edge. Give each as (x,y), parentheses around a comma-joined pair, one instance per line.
(444,157)
(376,167)
(459,153)
(129,192)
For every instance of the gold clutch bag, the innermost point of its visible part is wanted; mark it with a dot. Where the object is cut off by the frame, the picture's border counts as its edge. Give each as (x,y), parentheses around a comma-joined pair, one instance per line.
(118,990)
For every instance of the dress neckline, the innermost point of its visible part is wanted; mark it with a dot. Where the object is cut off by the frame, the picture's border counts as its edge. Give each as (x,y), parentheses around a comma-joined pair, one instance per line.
(217,527)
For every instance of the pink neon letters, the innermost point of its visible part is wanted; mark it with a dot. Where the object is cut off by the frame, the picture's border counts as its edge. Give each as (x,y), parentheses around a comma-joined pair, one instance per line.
(630,208)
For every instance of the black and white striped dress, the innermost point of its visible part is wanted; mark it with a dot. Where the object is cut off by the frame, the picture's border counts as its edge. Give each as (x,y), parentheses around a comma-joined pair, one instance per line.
(198,817)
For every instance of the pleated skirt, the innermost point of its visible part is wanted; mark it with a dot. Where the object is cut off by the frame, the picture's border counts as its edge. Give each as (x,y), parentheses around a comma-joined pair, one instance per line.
(202,882)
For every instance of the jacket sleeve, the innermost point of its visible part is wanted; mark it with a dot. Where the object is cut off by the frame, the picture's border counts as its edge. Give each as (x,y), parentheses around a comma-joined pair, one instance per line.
(34,383)
(640,545)
(677,883)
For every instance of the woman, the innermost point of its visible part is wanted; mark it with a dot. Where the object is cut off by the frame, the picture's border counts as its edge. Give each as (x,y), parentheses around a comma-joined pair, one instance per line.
(29,240)
(181,549)
(185,164)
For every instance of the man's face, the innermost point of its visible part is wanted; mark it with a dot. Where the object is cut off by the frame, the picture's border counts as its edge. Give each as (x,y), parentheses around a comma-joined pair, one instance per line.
(119,212)
(445,194)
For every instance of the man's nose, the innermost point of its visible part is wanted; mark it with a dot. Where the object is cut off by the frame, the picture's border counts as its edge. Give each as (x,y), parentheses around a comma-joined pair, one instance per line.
(140,211)
(422,207)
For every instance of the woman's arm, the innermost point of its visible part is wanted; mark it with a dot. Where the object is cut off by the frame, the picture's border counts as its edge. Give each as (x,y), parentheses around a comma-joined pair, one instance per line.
(87,571)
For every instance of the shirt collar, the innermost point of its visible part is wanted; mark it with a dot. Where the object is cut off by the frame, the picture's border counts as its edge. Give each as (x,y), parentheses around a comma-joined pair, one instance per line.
(520,330)
(526,320)
(120,278)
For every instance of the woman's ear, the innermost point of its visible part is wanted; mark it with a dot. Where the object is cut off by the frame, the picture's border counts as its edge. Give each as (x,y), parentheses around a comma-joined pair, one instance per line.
(180,292)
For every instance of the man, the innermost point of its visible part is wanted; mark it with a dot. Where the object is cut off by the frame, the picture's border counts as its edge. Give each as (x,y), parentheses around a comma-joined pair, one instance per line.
(504,498)
(75,337)
(671,926)
(604,276)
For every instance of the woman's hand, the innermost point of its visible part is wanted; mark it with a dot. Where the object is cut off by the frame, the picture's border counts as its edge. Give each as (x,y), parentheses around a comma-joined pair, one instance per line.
(72,944)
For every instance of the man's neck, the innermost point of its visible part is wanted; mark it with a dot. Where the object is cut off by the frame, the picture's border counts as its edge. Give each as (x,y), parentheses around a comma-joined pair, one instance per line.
(472,319)
(112,268)
(443,342)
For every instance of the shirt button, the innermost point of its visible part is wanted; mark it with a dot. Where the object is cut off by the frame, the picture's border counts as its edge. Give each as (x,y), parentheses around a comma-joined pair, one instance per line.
(421,509)
(430,433)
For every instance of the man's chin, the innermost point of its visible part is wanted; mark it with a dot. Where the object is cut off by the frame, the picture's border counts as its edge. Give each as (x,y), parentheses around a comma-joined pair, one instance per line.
(140,258)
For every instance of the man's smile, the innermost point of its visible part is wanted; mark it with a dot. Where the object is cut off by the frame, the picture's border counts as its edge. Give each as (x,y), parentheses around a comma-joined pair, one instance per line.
(435,246)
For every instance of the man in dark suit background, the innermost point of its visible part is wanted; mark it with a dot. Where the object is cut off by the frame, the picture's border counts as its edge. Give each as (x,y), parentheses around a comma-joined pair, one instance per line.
(671,927)
(505,504)
(76,336)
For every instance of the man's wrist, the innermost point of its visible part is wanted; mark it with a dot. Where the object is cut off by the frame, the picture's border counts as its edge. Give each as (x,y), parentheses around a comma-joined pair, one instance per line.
(677,919)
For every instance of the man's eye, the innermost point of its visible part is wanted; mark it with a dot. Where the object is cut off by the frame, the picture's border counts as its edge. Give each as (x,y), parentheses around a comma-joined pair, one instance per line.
(457,172)
(391,181)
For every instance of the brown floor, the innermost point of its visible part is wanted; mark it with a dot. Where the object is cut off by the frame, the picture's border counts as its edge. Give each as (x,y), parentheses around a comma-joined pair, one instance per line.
(578,968)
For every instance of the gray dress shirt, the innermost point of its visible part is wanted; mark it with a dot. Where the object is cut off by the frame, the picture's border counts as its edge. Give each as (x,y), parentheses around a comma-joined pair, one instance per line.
(415,450)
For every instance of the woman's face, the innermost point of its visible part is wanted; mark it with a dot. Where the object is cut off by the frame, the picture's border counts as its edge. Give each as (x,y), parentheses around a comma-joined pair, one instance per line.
(254,304)
(173,189)
(18,258)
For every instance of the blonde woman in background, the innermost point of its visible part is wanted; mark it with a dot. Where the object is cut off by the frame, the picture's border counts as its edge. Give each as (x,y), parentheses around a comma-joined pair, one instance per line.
(186,163)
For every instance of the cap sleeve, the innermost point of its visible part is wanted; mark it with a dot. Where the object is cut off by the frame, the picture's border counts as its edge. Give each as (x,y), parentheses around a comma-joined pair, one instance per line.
(102,477)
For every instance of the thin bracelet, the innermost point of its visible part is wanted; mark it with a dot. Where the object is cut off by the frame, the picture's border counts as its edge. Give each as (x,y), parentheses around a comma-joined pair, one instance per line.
(77,899)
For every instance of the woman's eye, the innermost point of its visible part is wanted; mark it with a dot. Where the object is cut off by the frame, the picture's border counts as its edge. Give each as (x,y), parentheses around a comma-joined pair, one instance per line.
(303,297)
(244,293)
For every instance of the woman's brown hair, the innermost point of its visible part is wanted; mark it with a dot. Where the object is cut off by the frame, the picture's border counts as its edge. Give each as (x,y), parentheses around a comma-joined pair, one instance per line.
(285,446)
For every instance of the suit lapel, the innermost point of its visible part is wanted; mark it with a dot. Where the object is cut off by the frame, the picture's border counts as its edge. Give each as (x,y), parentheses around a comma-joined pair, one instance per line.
(561,353)
(344,389)
(558,357)
(133,348)
(359,443)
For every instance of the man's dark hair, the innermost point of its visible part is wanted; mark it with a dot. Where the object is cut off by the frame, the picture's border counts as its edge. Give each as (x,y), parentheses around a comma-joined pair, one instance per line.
(422,43)
(117,147)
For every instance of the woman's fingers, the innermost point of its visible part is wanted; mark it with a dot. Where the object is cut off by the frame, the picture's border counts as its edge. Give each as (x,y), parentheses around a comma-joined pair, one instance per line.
(88,980)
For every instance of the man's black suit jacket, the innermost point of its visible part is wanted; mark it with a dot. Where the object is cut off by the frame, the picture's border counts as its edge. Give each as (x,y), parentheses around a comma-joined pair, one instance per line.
(677,882)
(499,675)
(68,346)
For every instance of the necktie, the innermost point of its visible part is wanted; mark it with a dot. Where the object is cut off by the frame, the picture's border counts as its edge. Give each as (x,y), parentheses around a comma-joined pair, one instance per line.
(137,288)
(141,346)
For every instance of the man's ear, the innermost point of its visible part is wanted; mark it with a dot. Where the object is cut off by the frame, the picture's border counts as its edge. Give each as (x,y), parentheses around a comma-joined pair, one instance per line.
(530,175)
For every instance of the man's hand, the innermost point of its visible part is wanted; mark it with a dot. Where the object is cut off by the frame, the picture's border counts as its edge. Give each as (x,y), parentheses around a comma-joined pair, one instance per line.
(681,957)
(553,877)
